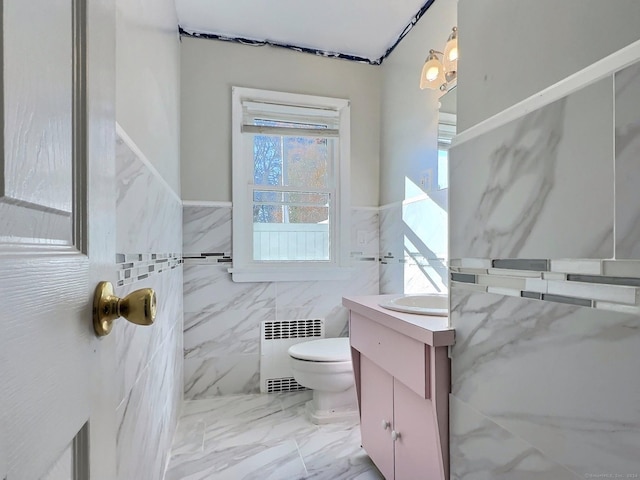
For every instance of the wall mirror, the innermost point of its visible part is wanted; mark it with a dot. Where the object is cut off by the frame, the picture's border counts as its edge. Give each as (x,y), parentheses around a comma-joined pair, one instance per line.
(446,132)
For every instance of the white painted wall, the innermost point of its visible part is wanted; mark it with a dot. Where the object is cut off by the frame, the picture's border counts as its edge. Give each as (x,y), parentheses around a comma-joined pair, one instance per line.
(147,81)
(210,68)
(410,115)
(509,50)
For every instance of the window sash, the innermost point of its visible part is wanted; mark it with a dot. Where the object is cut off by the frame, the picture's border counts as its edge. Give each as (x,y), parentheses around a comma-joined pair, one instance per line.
(297,234)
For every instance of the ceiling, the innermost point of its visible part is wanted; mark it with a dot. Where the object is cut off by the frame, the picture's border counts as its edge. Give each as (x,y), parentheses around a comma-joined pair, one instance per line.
(364,29)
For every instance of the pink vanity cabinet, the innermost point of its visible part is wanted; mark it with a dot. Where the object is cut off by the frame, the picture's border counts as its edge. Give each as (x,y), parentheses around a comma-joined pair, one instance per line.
(403,379)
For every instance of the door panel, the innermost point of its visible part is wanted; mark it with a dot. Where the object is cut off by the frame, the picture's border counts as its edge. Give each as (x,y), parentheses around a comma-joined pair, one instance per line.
(36,186)
(418,444)
(56,232)
(376,397)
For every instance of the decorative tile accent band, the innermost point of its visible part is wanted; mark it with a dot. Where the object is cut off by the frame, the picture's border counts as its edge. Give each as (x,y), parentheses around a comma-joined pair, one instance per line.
(133,267)
(227,260)
(521,264)
(603,284)
(208,258)
(463,277)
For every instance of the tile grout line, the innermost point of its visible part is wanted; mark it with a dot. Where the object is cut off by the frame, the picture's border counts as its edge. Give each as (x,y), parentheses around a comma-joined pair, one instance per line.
(304,465)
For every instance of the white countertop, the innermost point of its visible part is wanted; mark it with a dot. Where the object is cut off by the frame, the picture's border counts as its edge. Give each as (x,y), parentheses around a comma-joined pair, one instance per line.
(432,330)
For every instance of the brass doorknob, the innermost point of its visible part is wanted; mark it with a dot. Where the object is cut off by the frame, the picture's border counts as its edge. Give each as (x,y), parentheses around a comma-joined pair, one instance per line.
(138,307)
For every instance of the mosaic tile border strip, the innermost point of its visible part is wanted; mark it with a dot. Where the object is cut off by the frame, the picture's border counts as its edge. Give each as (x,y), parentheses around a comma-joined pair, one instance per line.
(215,258)
(133,267)
(418,258)
(224,259)
(603,284)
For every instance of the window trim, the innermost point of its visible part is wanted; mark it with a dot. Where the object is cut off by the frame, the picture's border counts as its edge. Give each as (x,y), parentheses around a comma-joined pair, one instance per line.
(244,269)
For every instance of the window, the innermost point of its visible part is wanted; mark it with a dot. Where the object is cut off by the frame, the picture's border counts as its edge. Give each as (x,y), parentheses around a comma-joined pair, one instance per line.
(290,186)
(446,132)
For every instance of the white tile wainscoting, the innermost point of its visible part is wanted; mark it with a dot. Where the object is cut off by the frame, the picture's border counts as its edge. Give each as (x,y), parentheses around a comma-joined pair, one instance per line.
(150,359)
(545,276)
(557,379)
(222,317)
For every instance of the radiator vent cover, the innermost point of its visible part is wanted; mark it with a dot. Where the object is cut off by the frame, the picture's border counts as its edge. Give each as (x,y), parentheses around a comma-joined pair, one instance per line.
(275,339)
(287,384)
(282,329)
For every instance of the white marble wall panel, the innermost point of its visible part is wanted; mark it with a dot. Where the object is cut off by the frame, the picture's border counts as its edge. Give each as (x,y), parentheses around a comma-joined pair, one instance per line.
(149,215)
(137,345)
(210,288)
(482,450)
(422,275)
(558,376)
(322,299)
(206,229)
(147,417)
(230,332)
(627,138)
(540,186)
(391,277)
(425,224)
(222,318)
(391,230)
(212,376)
(365,226)
(149,359)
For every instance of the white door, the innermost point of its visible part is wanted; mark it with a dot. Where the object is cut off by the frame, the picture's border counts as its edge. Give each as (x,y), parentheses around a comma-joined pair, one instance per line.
(57,226)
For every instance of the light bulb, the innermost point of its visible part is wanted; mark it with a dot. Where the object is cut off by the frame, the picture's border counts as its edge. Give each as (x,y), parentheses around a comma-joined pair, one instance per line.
(451,52)
(432,75)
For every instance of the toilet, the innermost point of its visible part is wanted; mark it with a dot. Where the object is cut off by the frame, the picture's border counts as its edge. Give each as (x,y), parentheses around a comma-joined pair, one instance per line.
(325,367)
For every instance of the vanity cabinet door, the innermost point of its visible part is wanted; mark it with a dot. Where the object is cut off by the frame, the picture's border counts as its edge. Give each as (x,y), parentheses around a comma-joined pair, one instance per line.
(417,451)
(376,408)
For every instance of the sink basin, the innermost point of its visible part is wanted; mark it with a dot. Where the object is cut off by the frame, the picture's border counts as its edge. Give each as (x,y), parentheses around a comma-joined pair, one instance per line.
(425,304)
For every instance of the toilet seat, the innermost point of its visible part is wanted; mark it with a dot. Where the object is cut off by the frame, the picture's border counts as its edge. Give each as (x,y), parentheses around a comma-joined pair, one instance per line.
(323,350)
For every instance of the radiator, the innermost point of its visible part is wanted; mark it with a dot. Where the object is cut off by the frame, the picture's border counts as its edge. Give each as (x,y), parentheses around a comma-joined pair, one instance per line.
(275,339)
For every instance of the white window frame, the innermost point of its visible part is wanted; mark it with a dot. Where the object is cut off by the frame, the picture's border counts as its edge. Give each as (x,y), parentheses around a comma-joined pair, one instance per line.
(245,269)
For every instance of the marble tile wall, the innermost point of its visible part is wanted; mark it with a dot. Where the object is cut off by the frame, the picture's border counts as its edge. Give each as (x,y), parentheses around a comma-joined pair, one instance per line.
(222,318)
(391,249)
(627,138)
(540,186)
(545,207)
(150,359)
(556,378)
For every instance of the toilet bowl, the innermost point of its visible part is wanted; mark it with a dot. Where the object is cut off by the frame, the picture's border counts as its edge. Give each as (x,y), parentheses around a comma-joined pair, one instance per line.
(325,367)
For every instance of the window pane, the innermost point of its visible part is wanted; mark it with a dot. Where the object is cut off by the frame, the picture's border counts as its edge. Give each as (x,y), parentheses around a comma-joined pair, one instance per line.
(443,169)
(292,161)
(291,226)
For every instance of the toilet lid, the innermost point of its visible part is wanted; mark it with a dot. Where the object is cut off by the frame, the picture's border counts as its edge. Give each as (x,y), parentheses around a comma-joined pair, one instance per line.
(323,350)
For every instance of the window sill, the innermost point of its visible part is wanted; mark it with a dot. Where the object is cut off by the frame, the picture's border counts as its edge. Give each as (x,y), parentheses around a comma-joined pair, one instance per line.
(289,274)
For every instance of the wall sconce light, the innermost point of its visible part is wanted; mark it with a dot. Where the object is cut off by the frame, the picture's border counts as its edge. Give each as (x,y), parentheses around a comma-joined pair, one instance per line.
(438,74)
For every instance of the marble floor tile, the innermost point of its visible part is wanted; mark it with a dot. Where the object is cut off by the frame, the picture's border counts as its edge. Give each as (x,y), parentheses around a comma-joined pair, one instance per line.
(189,437)
(253,461)
(264,437)
(335,453)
